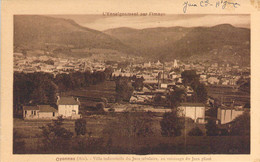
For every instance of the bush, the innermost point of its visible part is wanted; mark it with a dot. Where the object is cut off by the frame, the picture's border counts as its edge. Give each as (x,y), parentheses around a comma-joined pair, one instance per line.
(211,128)
(171,124)
(130,124)
(100,106)
(80,126)
(241,125)
(195,132)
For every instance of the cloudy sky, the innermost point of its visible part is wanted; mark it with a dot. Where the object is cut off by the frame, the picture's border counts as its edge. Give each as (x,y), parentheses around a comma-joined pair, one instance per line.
(100,22)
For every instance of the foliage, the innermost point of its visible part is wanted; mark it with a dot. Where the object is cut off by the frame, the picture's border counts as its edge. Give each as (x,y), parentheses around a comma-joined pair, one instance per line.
(241,125)
(200,92)
(138,84)
(130,124)
(124,89)
(189,77)
(211,128)
(56,138)
(195,132)
(171,124)
(41,88)
(80,126)
(158,98)
(175,97)
(100,106)
(18,145)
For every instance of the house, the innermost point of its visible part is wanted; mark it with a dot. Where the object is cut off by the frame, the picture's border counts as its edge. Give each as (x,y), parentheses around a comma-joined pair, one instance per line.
(226,114)
(40,112)
(68,107)
(195,111)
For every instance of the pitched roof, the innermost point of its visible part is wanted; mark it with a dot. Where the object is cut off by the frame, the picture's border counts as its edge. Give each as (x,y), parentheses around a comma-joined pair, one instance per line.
(47,108)
(67,101)
(30,108)
(192,104)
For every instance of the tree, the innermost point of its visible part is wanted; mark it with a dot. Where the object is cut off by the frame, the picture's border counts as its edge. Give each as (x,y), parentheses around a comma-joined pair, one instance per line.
(80,126)
(56,139)
(138,84)
(108,73)
(189,77)
(241,125)
(100,106)
(211,128)
(192,79)
(171,124)
(201,93)
(124,89)
(176,97)
(158,99)
(195,132)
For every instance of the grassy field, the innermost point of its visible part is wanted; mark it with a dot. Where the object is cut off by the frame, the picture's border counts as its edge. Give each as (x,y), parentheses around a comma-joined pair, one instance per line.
(29,137)
(30,133)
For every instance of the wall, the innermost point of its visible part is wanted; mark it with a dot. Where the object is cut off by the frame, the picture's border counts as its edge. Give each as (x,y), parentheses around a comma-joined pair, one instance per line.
(66,110)
(192,112)
(228,115)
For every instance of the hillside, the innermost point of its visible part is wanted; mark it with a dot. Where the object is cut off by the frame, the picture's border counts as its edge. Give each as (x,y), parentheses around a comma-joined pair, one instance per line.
(222,42)
(37,32)
(62,36)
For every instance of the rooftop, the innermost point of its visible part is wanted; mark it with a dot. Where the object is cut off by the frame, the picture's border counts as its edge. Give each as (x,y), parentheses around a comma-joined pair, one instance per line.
(30,108)
(192,104)
(47,108)
(67,101)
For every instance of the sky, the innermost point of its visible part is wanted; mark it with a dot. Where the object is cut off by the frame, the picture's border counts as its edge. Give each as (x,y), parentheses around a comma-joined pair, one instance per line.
(100,22)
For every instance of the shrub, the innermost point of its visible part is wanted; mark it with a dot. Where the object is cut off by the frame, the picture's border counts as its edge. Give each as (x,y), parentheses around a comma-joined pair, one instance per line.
(195,132)
(130,124)
(80,126)
(171,124)
(100,106)
(241,125)
(211,128)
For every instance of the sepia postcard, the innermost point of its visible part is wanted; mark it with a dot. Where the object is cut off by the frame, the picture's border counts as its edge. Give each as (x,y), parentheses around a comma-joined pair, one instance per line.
(130,80)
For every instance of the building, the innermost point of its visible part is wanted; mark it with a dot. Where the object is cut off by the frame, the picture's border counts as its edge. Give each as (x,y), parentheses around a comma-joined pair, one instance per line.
(226,114)
(40,112)
(68,107)
(195,111)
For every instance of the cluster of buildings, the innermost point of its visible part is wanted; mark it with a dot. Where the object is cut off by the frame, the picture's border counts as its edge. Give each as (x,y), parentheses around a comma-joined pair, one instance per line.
(170,72)
(67,107)
(159,78)
(54,65)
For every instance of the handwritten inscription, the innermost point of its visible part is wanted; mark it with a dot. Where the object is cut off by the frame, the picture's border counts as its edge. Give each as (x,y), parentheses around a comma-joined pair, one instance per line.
(207,3)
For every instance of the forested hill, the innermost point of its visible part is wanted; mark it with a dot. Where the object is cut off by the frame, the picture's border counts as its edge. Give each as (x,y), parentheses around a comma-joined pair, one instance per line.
(220,43)
(34,32)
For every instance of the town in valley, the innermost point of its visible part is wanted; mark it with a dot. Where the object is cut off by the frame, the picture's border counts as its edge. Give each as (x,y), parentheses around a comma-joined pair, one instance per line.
(130,91)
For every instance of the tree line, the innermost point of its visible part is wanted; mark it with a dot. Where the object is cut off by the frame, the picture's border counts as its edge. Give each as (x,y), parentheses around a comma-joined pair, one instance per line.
(41,88)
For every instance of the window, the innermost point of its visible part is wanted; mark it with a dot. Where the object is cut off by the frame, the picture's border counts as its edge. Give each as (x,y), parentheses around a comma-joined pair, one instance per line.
(53,114)
(25,112)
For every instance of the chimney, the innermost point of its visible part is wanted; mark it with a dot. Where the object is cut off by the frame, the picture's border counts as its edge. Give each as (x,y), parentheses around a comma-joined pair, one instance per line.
(58,99)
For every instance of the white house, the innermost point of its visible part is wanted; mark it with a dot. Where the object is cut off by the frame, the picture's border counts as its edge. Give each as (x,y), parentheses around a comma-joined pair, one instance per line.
(195,111)
(68,107)
(226,115)
(40,112)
